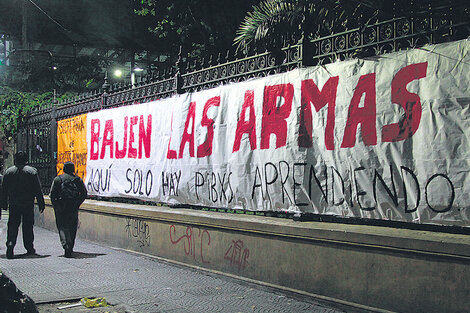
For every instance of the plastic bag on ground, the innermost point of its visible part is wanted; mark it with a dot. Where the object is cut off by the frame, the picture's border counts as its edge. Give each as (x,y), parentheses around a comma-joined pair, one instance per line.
(94,302)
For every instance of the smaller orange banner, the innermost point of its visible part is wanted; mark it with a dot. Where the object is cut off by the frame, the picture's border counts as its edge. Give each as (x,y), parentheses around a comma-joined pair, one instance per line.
(71,144)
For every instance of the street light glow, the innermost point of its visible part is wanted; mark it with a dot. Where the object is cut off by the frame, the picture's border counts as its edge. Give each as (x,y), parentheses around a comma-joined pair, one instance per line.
(118,73)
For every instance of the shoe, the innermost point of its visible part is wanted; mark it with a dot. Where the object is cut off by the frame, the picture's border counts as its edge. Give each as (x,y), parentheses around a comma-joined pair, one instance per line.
(68,253)
(10,254)
(31,252)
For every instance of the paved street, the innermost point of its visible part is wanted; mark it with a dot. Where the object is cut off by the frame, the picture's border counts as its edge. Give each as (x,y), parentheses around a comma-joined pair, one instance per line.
(133,282)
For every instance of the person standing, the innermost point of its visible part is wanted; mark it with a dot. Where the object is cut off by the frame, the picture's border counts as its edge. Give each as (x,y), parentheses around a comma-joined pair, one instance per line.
(20,187)
(67,194)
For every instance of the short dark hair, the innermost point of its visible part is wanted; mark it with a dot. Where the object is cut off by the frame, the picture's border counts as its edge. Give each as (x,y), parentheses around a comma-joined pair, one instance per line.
(69,168)
(20,158)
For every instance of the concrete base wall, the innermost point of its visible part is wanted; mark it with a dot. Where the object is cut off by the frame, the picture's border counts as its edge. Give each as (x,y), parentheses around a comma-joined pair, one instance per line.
(375,268)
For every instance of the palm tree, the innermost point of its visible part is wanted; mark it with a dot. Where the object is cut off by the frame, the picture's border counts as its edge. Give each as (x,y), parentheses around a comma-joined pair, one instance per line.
(273,23)
(270,21)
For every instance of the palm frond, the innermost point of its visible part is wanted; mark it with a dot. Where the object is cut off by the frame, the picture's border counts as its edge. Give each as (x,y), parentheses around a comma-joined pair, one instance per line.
(273,21)
(268,22)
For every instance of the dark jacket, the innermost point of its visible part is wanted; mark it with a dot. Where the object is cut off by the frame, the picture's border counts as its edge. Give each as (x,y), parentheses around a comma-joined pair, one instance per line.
(20,186)
(56,191)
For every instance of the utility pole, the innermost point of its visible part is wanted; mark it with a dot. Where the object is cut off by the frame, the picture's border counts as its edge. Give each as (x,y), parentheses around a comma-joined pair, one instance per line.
(24,28)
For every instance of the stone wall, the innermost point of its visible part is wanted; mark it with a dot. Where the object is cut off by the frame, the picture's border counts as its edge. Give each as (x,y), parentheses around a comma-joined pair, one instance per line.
(368,267)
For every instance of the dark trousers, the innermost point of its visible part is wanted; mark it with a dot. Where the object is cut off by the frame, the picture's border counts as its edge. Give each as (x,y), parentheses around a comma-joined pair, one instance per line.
(66,220)
(25,216)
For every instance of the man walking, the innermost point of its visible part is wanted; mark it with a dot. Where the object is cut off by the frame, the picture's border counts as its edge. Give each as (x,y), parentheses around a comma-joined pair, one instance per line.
(67,194)
(19,189)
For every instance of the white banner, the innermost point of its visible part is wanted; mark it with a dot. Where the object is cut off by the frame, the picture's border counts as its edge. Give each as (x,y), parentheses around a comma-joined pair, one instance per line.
(383,138)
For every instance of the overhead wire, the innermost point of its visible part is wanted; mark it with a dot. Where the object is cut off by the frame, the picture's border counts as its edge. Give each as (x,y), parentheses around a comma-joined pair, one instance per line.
(48,16)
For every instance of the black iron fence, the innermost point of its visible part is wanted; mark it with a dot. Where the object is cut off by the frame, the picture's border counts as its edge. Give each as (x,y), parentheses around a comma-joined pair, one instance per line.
(431,26)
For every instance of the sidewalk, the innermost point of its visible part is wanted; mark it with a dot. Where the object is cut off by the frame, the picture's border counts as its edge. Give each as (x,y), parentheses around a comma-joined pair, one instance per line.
(133,282)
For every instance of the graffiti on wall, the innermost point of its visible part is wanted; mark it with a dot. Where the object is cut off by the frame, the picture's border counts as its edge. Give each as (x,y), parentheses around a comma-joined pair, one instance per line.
(138,229)
(194,241)
(237,254)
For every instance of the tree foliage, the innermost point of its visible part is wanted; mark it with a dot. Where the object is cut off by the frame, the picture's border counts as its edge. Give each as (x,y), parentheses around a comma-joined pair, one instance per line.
(273,23)
(15,105)
(35,82)
(270,21)
(38,73)
(199,26)
(81,74)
